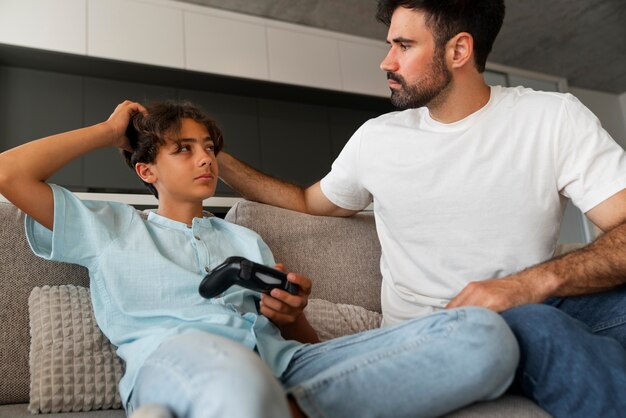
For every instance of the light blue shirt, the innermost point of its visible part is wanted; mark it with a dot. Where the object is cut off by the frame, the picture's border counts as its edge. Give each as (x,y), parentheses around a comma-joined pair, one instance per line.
(144,277)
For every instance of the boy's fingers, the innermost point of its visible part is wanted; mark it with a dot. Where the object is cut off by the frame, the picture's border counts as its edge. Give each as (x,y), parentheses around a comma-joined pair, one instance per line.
(302,281)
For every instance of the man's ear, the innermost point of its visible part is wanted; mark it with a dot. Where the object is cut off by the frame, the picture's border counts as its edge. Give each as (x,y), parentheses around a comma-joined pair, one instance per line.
(145,172)
(460,50)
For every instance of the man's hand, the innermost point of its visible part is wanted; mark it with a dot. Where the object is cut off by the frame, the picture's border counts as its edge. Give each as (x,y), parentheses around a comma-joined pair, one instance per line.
(282,307)
(497,294)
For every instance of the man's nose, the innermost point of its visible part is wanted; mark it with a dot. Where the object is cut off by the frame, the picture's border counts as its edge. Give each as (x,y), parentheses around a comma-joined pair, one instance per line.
(389,63)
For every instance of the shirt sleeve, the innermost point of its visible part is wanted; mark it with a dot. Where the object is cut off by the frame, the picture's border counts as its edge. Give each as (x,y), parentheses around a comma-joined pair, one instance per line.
(343,185)
(82,229)
(591,165)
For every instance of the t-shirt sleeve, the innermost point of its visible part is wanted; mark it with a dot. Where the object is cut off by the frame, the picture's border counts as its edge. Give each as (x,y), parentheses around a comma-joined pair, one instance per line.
(591,165)
(82,229)
(343,185)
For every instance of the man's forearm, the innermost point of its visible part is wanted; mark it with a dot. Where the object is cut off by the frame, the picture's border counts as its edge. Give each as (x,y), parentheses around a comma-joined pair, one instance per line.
(255,185)
(597,267)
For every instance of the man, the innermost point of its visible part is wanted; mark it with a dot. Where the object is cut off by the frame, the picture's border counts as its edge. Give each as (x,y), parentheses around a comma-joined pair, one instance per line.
(469,186)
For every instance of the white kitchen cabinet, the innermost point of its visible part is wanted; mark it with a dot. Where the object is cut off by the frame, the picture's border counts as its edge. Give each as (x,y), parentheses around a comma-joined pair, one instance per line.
(136,31)
(55,25)
(360,67)
(303,58)
(225,46)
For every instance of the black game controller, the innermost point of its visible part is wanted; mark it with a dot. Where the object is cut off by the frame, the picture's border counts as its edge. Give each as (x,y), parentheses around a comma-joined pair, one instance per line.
(244,273)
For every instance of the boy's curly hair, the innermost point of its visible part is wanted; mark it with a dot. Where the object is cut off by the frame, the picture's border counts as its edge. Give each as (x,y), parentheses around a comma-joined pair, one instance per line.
(147,133)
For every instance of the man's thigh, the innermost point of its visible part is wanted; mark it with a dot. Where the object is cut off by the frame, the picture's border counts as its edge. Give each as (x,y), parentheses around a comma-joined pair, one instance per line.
(604,313)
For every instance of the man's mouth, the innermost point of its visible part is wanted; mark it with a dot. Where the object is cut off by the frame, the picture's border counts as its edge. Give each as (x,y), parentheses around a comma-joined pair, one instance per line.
(394,80)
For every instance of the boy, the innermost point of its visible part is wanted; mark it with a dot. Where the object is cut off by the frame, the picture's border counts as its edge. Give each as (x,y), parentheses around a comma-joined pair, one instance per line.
(224,356)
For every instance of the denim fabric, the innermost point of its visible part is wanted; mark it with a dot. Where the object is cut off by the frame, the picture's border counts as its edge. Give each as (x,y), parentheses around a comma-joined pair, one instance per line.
(420,368)
(573,357)
(425,367)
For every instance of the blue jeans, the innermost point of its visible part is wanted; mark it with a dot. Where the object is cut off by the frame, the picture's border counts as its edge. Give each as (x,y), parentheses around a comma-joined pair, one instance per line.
(421,368)
(573,354)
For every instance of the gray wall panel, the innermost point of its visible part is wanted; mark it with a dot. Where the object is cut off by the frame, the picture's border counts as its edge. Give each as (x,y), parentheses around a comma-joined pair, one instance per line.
(343,123)
(35,104)
(295,141)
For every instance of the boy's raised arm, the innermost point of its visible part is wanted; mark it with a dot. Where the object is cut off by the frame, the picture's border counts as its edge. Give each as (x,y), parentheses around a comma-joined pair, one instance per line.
(25,169)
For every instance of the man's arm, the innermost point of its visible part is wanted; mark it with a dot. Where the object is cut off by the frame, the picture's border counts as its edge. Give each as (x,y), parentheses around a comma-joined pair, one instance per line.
(257,186)
(597,267)
(24,169)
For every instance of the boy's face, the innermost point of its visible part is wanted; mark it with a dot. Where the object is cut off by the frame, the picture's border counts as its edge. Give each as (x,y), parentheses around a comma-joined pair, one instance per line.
(185,168)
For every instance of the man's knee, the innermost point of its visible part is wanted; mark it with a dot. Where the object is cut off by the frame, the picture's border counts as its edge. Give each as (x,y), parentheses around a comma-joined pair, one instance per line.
(539,324)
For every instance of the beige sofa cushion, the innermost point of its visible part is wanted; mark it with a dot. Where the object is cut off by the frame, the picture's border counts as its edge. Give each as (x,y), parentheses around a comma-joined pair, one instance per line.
(340,255)
(20,271)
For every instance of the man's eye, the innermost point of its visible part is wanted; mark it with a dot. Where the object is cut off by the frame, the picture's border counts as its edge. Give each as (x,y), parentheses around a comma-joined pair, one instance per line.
(404,47)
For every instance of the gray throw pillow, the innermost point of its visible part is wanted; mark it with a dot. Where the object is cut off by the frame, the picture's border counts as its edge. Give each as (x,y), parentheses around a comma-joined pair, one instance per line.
(73,366)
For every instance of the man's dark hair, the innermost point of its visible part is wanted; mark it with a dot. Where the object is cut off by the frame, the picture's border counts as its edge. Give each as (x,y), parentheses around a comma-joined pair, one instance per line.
(446,18)
(147,133)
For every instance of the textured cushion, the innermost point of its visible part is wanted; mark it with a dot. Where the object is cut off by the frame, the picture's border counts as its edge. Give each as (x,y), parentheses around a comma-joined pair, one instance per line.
(332,320)
(20,271)
(340,255)
(73,365)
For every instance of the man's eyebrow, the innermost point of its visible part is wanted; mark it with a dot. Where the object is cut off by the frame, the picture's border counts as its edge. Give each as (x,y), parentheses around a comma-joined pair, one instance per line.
(400,39)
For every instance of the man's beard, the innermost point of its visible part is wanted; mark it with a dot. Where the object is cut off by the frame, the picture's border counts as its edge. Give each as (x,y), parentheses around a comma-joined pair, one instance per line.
(428,90)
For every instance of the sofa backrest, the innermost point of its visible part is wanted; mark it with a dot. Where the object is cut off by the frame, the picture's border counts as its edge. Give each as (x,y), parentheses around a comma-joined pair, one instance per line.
(340,255)
(20,271)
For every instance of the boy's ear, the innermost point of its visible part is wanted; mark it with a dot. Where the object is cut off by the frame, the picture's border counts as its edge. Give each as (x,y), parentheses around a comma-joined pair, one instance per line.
(145,172)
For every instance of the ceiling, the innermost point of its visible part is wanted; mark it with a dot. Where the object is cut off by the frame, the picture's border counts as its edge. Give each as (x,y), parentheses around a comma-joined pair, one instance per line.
(581,40)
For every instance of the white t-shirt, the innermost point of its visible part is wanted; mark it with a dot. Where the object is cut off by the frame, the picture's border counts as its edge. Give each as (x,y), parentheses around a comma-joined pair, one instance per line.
(475,199)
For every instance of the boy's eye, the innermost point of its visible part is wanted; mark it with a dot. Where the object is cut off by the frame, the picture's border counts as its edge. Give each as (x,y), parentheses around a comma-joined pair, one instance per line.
(210,148)
(183,148)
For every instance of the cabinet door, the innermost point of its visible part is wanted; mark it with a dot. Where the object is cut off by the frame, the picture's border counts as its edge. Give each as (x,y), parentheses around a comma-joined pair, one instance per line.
(304,59)
(105,169)
(295,141)
(225,46)
(137,32)
(237,117)
(56,25)
(35,104)
(360,68)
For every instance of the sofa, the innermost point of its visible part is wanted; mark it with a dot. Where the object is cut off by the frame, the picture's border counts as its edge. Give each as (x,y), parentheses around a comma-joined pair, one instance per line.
(59,368)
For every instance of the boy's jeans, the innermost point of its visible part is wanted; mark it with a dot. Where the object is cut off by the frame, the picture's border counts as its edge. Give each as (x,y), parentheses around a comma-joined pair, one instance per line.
(421,368)
(573,354)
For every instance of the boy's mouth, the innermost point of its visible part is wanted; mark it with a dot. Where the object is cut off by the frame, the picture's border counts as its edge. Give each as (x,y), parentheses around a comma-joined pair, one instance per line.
(205,177)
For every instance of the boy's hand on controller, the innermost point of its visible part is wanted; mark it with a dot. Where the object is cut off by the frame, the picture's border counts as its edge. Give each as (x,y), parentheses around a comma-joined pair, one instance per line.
(119,120)
(283,308)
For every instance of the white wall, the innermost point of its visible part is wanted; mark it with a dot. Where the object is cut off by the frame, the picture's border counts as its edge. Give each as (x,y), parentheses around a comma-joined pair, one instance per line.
(609,108)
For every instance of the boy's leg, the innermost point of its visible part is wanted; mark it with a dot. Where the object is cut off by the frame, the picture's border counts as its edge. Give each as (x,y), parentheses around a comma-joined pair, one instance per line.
(564,367)
(203,375)
(421,368)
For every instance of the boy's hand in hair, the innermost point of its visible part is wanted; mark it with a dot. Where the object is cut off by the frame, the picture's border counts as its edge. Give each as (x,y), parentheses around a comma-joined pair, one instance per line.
(119,120)
(287,310)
